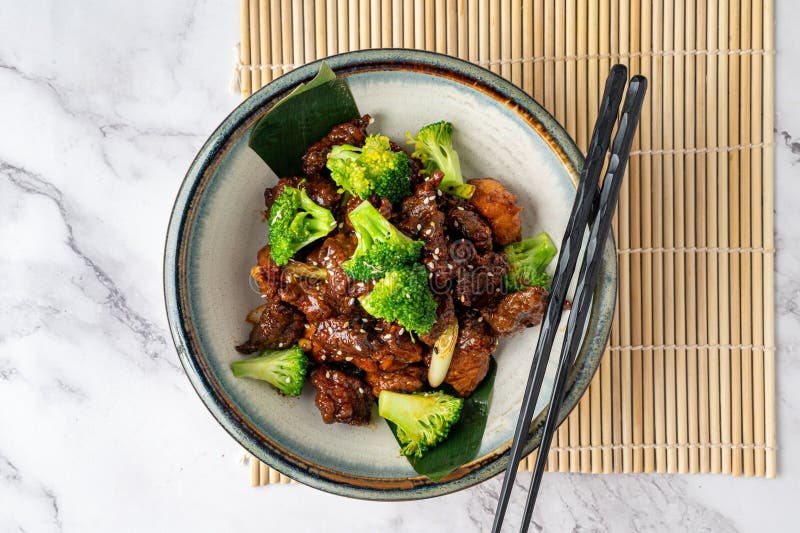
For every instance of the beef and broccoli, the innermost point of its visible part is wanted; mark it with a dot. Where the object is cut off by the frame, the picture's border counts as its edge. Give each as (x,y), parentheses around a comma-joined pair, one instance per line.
(388,277)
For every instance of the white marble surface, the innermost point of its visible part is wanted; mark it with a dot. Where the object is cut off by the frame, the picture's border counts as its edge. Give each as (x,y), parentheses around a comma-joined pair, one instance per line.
(102,106)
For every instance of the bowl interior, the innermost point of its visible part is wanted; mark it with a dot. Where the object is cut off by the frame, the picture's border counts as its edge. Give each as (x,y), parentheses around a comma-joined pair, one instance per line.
(226,229)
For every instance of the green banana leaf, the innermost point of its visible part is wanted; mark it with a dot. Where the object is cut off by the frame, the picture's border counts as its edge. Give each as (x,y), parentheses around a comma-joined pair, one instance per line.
(464,440)
(303,117)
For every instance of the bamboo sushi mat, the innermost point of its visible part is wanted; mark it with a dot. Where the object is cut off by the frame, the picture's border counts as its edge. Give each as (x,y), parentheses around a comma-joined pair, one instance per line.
(687,384)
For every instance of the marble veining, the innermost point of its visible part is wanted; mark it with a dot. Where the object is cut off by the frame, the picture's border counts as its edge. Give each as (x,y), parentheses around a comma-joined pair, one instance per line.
(103,106)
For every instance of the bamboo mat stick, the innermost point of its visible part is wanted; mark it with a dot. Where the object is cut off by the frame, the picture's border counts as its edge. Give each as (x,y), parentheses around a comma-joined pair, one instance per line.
(527,49)
(440,28)
(309,31)
(746,384)
(704,431)
(244,47)
(538,50)
(297,32)
(615,366)
(683,223)
(494,35)
(483,40)
(451,15)
(560,115)
(363,25)
(769,241)
(472,24)
(463,30)
(331,36)
(715,354)
(628,28)
(374,15)
(603,45)
(387,32)
(320,29)
(634,262)
(419,24)
(398,24)
(570,112)
(506,31)
(516,40)
(592,95)
(352,25)
(690,458)
(756,81)
(408,24)
(254,473)
(734,215)
(342,26)
(623,329)
(724,241)
(588,406)
(287,56)
(265,56)
(263,472)
(255,45)
(430,28)
(646,137)
(669,229)
(549,103)
(659,304)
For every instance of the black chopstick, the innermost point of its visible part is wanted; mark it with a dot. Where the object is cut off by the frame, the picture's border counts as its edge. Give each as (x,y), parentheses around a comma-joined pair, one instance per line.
(570,248)
(587,279)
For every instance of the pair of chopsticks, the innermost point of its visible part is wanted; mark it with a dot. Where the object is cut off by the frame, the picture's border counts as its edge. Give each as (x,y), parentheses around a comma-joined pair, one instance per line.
(588,207)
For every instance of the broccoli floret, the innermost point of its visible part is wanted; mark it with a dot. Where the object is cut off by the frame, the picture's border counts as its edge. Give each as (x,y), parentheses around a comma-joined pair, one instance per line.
(433,145)
(403,296)
(373,169)
(283,369)
(295,221)
(423,420)
(348,172)
(528,259)
(381,246)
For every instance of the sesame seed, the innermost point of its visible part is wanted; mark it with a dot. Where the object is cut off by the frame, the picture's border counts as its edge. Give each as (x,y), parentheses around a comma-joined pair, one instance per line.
(288,380)
(430,275)
(489,274)
(348,358)
(436,251)
(438,192)
(358,348)
(341,225)
(408,296)
(480,319)
(449,266)
(280,345)
(419,227)
(455,223)
(328,374)
(460,208)
(360,390)
(352,301)
(462,298)
(323,357)
(338,352)
(497,289)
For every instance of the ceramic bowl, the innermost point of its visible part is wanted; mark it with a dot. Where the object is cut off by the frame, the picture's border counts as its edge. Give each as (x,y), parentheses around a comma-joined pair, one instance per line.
(217,227)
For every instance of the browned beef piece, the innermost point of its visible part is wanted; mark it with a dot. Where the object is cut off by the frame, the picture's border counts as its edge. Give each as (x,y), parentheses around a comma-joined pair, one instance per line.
(266,274)
(330,255)
(421,218)
(320,189)
(517,311)
(341,397)
(499,206)
(373,346)
(470,361)
(308,295)
(353,132)
(279,325)
(466,223)
(479,280)
(445,314)
(409,379)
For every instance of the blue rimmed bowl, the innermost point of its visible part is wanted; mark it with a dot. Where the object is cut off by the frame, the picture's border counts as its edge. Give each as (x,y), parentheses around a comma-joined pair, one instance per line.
(217,227)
